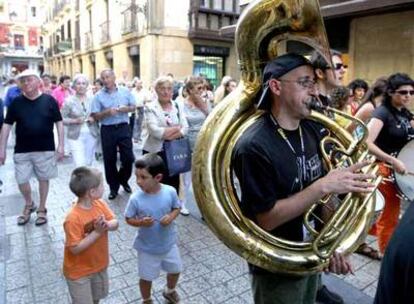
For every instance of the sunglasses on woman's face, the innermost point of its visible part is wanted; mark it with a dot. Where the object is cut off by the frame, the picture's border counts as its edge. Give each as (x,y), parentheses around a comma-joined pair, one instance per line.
(405,92)
(339,66)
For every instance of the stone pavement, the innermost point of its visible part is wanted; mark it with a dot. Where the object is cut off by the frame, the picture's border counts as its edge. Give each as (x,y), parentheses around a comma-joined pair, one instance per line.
(31,257)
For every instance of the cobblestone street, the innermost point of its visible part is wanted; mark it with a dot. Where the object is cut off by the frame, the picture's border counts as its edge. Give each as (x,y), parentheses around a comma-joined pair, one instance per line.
(31,257)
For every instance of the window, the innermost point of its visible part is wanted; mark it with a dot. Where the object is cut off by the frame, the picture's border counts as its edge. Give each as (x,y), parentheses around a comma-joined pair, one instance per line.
(228,5)
(211,67)
(90,19)
(214,22)
(33,10)
(135,66)
(225,21)
(217,4)
(62,33)
(202,20)
(19,42)
(69,30)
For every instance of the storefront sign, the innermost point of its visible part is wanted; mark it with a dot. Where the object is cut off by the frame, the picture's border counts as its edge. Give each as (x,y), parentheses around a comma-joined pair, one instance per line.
(207,50)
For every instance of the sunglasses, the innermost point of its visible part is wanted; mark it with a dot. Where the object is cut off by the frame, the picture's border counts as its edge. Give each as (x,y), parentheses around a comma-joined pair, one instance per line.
(339,66)
(405,92)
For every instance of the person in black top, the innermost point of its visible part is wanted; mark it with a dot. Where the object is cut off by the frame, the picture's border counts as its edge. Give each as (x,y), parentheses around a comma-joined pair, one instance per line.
(35,114)
(358,88)
(390,128)
(1,113)
(328,77)
(396,280)
(279,166)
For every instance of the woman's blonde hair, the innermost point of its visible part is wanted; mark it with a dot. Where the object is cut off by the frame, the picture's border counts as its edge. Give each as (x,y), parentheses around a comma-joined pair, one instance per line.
(192,81)
(162,80)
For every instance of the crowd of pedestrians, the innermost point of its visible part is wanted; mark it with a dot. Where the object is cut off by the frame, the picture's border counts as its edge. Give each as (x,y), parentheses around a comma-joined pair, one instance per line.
(81,120)
(84,120)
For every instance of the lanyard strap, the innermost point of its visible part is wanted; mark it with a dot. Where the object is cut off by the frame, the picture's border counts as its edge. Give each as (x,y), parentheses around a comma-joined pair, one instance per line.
(286,139)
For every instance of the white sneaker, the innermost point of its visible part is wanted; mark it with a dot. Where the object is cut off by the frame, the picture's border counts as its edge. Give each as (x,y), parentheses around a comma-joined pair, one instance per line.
(184,211)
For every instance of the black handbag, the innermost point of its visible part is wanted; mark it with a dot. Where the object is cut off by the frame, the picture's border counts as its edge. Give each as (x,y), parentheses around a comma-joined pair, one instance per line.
(177,155)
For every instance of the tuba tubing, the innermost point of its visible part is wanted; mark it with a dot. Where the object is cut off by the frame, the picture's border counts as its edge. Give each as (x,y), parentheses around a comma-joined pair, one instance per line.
(261,27)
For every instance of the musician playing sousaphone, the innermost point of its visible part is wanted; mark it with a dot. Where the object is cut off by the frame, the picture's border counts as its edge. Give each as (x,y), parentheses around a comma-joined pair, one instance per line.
(390,129)
(279,165)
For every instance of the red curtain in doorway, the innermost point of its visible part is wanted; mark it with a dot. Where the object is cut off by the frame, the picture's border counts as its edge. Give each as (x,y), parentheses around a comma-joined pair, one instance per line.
(33,36)
(4,32)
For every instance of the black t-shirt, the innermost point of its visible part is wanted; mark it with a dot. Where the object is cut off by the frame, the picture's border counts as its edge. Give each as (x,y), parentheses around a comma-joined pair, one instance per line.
(1,113)
(397,130)
(396,280)
(325,100)
(268,169)
(34,122)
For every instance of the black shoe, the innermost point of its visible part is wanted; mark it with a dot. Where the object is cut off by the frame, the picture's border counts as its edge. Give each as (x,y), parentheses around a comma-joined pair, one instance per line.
(127,188)
(112,195)
(325,296)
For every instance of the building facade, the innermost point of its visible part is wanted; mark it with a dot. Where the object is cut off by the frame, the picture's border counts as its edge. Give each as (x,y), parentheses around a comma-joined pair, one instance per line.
(376,37)
(21,45)
(144,38)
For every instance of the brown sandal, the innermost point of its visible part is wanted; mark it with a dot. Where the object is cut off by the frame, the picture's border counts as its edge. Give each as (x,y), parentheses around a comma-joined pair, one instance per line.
(41,217)
(25,216)
(365,249)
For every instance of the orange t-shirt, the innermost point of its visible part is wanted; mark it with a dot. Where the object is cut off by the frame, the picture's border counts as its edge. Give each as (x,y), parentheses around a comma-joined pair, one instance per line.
(78,223)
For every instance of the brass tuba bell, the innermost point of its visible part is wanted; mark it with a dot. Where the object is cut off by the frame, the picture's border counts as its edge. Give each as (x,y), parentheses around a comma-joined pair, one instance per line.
(263,25)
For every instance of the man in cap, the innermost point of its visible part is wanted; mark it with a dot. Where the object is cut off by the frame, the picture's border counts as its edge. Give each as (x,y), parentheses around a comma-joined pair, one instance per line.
(34,153)
(279,166)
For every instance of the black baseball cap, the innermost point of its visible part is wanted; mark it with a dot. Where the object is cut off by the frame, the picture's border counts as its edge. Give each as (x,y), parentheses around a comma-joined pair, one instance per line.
(277,68)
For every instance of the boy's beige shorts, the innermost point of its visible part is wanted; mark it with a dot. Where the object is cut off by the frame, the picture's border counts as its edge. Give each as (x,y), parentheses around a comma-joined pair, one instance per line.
(90,288)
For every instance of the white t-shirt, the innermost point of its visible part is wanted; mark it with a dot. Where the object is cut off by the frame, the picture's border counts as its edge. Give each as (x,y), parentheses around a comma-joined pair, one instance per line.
(141,97)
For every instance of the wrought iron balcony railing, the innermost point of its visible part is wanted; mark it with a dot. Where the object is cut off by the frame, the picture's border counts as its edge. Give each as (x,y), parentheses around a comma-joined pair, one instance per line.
(88,40)
(63,46)
(130,20)
(76,44)
(105,34)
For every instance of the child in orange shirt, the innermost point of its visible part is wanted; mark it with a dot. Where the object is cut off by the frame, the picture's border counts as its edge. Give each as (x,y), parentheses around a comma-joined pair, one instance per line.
(86,226)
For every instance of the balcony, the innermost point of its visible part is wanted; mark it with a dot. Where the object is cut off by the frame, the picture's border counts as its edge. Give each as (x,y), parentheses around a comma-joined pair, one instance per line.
(129,20)
(205,22)
(63,46)
(105,36)
(88,41)
(60,7)
(19,48)
(76,44)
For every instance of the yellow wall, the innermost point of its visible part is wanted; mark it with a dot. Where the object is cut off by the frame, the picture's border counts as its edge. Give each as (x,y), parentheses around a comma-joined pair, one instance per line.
(381,45)
(122,62)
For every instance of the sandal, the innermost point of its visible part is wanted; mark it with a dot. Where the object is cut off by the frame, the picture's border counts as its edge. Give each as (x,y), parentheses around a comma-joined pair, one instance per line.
(41,217)
(27,212)
(365,249)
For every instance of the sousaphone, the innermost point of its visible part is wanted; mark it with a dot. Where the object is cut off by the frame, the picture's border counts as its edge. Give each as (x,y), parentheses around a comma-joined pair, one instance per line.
(263,27)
